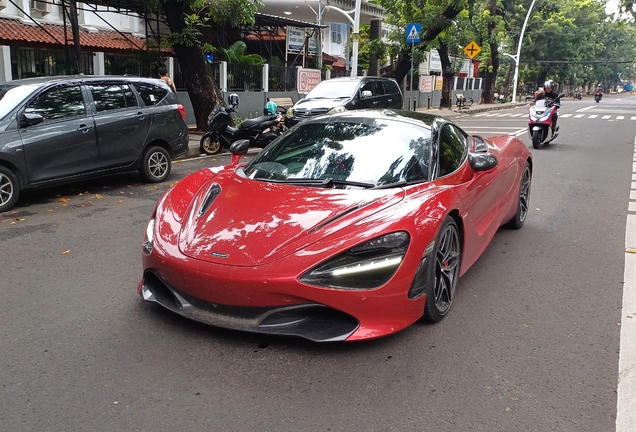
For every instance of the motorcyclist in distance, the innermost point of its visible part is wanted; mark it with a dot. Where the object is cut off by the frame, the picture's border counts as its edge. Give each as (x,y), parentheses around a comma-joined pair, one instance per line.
(549,93)
(599,89)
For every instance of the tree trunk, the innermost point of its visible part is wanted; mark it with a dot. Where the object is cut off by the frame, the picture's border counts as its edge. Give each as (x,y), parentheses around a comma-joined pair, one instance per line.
(447,74)
(203,91)
(491,73)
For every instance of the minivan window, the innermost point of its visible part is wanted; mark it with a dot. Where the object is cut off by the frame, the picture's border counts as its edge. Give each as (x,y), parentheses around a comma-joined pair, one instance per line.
(391,87)
(151,94)
(379,88)
(333,90)
(367,86)
(11,95)
(58,102)
(108,97)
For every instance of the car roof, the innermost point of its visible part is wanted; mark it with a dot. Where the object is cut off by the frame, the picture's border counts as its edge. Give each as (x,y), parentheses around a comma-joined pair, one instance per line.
(67,78)
(416,118)
(357,78)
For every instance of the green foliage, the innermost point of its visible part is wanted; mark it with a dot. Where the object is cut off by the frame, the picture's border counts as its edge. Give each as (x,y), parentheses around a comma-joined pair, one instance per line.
(236,53)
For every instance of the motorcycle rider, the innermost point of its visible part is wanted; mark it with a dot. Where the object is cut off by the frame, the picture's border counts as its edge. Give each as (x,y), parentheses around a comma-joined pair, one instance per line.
(549,93)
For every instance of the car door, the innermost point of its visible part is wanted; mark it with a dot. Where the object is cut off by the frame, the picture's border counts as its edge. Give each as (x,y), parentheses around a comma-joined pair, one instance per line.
(122,125)
(64,143)
(394,95)
(479,191)
(369,101)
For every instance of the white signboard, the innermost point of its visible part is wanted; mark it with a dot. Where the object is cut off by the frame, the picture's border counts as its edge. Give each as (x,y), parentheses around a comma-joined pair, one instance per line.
(307,79)
(295,39)
(313,46)
(424,65)
(426,83)
(434,62)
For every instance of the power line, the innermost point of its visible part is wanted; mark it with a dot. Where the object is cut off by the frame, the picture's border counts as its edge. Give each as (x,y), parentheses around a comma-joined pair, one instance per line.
(573,62)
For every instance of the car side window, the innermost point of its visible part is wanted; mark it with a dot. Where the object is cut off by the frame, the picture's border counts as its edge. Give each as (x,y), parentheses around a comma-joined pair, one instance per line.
(367,86)
(151,94)
(131,99)
(379,88)
(452,146)
(58,102)
(108,97)
(391,87)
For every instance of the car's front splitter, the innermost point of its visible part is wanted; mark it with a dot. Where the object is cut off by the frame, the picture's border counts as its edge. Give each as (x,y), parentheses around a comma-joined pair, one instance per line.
(312,321)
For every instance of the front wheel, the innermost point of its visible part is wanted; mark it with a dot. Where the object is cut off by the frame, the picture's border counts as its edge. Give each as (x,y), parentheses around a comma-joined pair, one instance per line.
(210,145)
(523,201)
(536,138)
(9,189)
(446,261)
(156,164)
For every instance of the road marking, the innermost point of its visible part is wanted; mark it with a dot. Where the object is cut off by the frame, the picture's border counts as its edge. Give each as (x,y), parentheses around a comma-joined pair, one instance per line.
(626,391)
(519,132)
(503,115)
(593,116)
(480,115)
(490,127)
(578,116)
(633,118)
(566,115)
(586,108)
(490,115)
(620,117)
(605,117)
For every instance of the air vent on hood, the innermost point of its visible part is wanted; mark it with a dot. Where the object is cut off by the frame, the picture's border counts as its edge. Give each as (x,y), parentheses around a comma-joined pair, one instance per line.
(214,192)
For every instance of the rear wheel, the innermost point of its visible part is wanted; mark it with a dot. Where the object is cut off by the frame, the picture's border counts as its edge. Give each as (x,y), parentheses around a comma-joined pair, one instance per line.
(9,189)
(156,164)
(536,138)
(524,199)
(446,261)
(210,145)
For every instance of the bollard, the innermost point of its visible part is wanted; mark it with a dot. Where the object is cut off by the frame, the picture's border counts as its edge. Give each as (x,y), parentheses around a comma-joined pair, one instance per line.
(414,104)
(429,103)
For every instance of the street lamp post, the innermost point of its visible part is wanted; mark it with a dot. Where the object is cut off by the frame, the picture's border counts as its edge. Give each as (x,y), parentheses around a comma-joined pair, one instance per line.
(355,21)
(517,57)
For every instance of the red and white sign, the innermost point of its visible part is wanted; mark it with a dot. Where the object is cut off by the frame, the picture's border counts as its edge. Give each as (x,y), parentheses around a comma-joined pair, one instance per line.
(426,83)
(307,79)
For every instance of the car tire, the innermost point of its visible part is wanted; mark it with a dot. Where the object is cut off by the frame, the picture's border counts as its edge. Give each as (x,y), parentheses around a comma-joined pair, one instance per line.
(523,200)
(444,275)
(210,145)
(9,189)
(156,164)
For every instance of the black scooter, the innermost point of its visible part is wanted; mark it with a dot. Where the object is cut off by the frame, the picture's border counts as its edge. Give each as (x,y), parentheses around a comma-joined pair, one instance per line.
(260,131)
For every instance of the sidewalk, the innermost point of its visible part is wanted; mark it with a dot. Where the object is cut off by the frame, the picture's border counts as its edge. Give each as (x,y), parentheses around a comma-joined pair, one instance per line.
(195,137)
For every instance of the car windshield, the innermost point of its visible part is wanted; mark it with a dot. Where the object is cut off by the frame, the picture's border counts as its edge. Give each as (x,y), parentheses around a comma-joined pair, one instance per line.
(347,153)
(333,90)
(12,94)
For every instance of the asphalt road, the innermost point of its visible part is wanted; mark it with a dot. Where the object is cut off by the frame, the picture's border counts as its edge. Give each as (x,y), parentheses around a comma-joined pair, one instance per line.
(530,345)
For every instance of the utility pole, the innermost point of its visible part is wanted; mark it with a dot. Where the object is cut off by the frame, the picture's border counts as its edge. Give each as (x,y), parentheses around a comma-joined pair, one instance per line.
(517,57)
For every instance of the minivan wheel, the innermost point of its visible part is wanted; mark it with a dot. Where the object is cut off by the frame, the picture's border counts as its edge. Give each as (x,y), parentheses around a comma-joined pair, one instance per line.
(9,189)
(155,165)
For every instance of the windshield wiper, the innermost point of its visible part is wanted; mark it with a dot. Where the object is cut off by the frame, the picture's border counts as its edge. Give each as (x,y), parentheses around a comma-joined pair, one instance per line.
(398,184)
(326,182)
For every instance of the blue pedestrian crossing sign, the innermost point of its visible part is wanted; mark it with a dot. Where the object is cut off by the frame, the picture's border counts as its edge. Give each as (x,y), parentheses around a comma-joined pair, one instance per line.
(413,33)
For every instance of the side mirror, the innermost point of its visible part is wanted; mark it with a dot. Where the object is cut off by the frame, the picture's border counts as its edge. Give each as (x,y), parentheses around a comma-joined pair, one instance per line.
(366,94)
(238,149)
(482,161)
(29,119)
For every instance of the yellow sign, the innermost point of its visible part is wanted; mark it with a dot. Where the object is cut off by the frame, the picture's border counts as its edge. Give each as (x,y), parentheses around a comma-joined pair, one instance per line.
(472,49)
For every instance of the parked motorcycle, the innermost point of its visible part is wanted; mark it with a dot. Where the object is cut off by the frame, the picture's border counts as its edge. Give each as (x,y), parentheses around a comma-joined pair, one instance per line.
(541,124)
(260,131)
(598,96)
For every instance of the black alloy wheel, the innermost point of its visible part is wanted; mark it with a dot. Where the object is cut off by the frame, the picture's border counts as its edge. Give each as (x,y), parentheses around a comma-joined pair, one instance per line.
(156,164)
(9,189)
(523,202)
(446,262)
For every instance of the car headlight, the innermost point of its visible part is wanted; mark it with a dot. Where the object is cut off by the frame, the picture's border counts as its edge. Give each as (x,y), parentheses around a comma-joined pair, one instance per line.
(365,266)
(289,113)
(150,236)
(337,109)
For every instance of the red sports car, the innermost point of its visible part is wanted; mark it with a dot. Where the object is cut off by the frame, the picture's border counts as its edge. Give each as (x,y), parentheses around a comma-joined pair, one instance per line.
(347,227)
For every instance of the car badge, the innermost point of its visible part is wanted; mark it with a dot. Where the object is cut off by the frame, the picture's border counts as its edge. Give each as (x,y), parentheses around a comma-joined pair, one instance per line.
(219,255)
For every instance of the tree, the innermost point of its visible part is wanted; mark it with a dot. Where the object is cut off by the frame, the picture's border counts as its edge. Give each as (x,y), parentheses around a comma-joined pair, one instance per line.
(185,19)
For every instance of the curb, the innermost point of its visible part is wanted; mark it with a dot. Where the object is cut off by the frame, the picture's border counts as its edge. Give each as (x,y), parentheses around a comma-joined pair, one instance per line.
(491,108)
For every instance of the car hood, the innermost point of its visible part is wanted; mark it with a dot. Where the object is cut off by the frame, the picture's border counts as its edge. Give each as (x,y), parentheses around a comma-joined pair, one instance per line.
(237,221)
(310,104)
